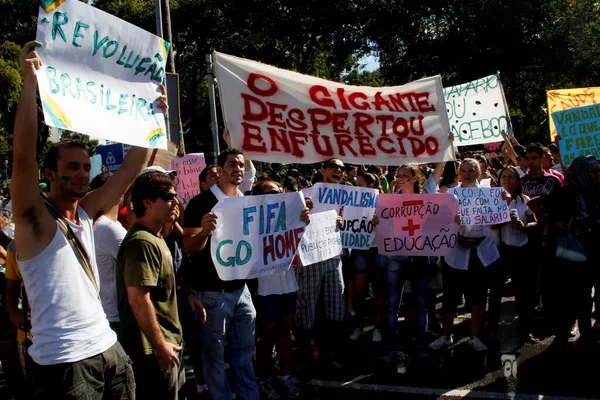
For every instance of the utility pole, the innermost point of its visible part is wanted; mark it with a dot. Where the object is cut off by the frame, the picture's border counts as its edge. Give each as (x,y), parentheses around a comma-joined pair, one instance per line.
(211,102)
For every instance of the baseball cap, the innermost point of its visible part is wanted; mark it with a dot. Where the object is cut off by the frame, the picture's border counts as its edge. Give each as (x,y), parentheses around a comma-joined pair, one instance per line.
(157,168)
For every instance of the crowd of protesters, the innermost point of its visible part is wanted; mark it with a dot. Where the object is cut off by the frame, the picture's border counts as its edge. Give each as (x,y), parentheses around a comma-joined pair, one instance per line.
(108,282)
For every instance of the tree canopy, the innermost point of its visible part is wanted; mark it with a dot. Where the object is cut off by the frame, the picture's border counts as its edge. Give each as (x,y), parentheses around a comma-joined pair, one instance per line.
(535,45)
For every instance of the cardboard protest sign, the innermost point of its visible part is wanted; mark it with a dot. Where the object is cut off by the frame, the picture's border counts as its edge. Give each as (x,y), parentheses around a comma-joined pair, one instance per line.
(481,206)
(321,240)
(100,75)
(579,131)
(275,115)
(356,205)
(256,235)
(477,111)
(565,99)
(188,170)
(416,224)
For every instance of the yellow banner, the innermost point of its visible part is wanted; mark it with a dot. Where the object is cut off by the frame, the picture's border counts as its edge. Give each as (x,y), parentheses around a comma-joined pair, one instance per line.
(565,99)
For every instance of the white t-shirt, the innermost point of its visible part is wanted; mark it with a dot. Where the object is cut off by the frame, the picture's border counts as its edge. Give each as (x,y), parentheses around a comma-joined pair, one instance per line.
(108,236)
(278,283)
(67,319)
(513,236)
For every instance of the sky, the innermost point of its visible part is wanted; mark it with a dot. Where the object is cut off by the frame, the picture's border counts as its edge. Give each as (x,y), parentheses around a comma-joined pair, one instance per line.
(372,63)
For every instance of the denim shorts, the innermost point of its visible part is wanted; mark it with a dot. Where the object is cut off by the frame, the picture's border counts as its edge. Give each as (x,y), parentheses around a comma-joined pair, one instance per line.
(364,261)
(274,306)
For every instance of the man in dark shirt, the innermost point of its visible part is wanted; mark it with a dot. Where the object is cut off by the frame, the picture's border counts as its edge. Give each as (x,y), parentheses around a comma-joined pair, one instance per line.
(230,314)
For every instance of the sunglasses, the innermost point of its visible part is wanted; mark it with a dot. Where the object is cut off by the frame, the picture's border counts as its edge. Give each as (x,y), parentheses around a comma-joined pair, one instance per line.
(336,166)
(168,196)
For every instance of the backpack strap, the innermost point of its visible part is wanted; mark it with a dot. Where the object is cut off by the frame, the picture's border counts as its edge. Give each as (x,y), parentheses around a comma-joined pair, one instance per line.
(75,244)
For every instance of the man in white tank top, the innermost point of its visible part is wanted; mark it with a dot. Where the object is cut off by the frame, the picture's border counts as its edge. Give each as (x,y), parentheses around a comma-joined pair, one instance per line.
(75,351)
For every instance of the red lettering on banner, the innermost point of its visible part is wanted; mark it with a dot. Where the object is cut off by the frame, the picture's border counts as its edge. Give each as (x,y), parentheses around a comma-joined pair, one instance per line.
(324,102)
(296,139)
(361,124)
(379,101)
(345,141)
(340,93)
(314,113)
(384,119)
(418,147)
(400,127)
(328,151)
(352,100)
(431,145)
(279,137)
(296,120)
(397,102)
(252,80)
(423,102)
(385,149)
(365,146)
(275,118)
(249,115)
(418,132)
(251,137)
(339,122)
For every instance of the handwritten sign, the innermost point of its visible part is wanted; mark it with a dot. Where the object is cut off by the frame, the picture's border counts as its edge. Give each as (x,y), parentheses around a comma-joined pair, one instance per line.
(477,111)
(256,235)
(565,99)
(281,116)
(481,205)
(100,75)
(356,205)
(416,224)
(321,240)
(579,131)
(188,170)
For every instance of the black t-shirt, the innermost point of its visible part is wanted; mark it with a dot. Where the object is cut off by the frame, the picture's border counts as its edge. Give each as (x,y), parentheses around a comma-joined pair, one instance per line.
(202,275)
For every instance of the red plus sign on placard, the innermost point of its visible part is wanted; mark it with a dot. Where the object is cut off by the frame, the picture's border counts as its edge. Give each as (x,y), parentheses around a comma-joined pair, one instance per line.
(411,227)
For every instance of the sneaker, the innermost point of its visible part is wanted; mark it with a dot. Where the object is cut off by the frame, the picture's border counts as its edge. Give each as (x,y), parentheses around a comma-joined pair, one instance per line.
(477,344)
(290,389)
(356,334)
(376,338)
(441,342)
(267,390)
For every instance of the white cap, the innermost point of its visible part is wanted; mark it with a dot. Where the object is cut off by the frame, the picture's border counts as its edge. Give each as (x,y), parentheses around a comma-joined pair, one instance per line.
(156,168)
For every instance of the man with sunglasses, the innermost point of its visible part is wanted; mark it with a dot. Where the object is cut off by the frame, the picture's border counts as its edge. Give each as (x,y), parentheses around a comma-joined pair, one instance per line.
(146,289)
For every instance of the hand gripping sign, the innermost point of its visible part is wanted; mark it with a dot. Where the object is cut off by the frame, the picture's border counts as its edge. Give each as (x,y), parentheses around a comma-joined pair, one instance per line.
(256,235)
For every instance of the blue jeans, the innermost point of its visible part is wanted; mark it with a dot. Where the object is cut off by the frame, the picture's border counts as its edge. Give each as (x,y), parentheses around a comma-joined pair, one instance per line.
(395,286)
(231,318)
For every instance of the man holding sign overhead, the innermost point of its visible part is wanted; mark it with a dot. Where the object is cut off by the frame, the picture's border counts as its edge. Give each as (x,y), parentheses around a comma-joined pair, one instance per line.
(74,349)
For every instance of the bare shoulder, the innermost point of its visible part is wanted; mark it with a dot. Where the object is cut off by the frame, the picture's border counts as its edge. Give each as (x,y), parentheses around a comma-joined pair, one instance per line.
(35,230)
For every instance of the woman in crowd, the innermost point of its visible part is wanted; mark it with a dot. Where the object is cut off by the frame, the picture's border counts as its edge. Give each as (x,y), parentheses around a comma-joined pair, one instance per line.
(276,308)
(367,269)
(515,258)
(575,209)
(466,270)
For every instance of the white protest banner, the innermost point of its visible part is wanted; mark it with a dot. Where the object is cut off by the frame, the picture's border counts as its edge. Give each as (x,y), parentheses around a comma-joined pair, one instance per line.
(188,170)
(477,111)
(275,115)
(100,75)
(481,205)
(416,224)
(356,205)
(256,235)
(321,240)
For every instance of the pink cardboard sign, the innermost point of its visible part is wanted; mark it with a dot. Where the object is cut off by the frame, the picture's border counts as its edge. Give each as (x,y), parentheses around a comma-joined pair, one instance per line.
(416,224)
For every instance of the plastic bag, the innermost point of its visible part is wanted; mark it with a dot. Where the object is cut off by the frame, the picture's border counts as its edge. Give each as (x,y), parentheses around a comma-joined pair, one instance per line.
(569,248)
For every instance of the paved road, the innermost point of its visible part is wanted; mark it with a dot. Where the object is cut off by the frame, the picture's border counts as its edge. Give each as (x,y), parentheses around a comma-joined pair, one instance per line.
(512,370)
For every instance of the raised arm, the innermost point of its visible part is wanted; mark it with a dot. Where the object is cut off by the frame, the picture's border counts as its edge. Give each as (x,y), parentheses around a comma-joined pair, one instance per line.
(36,226)
(107,196)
